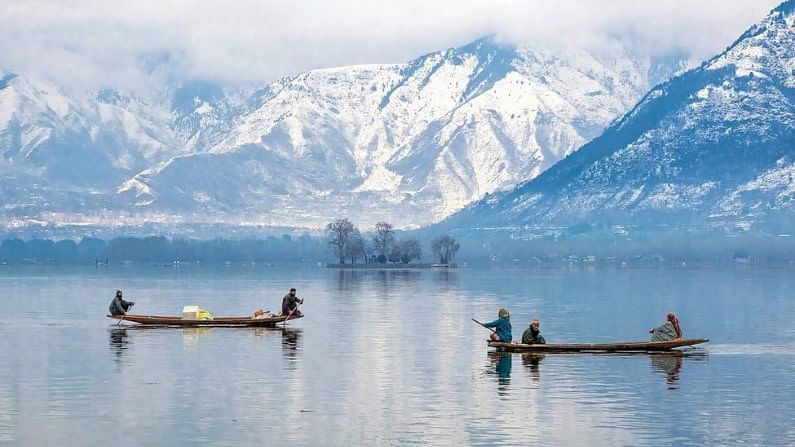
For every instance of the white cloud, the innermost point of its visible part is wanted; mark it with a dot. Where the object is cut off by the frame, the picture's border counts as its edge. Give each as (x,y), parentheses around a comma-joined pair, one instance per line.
(148,42)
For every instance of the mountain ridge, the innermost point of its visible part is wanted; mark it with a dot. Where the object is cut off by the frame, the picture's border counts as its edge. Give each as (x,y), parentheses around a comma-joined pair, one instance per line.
(429,164)
(671,157)
(409,143)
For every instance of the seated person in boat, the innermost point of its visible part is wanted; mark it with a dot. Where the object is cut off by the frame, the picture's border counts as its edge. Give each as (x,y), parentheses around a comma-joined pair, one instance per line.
(290,304)
(667,331)
(502,327)
(118,306)
(532,335)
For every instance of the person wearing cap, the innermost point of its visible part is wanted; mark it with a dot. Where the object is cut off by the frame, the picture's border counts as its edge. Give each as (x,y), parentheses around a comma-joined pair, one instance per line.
(667,331)
(532,335)
(502,327)
(290,304)
(118,306)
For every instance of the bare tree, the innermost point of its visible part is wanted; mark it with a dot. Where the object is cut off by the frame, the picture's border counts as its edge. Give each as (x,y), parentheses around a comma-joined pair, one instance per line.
(410,249)
(383,239)
(444,247)
(338,237)
(357,247)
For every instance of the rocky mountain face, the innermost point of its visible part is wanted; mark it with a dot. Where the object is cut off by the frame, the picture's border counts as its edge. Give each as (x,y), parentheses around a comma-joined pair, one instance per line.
(714,144)
(407,143)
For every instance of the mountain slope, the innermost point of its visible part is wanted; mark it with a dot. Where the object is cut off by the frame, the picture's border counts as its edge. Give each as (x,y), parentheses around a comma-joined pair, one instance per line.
(68,152)
(410,143)
(714,144)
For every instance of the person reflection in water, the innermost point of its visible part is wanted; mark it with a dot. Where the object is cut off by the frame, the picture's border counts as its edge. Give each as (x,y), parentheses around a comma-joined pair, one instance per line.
(291,339)
(667,331)
(531,362)
(502,363)
(118,341)
(669,363)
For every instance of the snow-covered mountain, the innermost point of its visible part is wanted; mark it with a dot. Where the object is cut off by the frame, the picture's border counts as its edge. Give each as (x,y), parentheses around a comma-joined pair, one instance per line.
(68,152)
(408,143)
(714,144)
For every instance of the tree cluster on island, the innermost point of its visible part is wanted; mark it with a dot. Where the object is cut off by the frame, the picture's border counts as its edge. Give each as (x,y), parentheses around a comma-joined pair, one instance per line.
(347,243)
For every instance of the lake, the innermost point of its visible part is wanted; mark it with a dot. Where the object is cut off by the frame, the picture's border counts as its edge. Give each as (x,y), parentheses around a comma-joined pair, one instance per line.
(392,357)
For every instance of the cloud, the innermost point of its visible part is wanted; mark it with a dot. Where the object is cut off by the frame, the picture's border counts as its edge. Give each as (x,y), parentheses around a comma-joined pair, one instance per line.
(150,42)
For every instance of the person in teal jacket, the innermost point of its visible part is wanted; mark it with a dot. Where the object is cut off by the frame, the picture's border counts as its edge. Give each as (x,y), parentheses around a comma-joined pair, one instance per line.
(502,327)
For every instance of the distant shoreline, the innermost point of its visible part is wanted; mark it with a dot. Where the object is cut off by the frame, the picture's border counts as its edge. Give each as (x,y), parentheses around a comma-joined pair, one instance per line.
(391,266)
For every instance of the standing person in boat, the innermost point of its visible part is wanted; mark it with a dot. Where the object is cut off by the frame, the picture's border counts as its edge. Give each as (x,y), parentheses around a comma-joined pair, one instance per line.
(290,304)
(118,306)
(502,327)
(532,335)
(667,331)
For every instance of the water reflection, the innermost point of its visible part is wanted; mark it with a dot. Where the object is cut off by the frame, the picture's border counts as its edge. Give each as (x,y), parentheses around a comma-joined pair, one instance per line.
(446,278)
(670,364)
(291,342)
(291,345)
(194,335)
(118,342)
(385,280)
(405,368)
(531,362)
(500,365)
(349,279)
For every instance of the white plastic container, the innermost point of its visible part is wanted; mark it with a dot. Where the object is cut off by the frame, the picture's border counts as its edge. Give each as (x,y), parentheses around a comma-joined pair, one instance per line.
(189,312)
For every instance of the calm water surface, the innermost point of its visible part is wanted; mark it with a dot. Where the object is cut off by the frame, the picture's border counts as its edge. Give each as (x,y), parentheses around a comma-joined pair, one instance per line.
(392,358)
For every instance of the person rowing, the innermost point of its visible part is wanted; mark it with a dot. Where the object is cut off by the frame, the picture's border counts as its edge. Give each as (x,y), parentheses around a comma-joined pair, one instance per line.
(502,327)
(532,335)
(118,306)
(290,304)
(667,331)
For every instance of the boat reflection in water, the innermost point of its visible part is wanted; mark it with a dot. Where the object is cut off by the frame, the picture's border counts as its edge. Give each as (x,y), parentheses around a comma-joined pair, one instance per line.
(669,364)
(193,335)
(120,337)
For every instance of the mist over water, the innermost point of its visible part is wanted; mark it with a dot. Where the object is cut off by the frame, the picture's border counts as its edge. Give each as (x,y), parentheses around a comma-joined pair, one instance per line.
(391,357)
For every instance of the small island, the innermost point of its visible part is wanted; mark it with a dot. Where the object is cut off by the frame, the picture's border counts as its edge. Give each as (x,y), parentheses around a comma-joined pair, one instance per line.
(383,251)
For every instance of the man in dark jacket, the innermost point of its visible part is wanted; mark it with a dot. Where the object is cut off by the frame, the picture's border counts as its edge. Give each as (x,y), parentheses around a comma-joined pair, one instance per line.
(118,306)
(290,304)
(532,335)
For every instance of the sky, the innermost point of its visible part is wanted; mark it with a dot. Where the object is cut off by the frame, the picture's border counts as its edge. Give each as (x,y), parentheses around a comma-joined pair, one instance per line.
(151,43)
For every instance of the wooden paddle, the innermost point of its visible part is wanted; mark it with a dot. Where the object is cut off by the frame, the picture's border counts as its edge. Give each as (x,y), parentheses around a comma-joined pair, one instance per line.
(284,323)
(478,322)
(123,315)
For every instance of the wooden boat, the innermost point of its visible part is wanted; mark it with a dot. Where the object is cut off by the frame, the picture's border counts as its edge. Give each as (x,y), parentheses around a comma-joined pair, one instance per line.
(640,346)
(155,320)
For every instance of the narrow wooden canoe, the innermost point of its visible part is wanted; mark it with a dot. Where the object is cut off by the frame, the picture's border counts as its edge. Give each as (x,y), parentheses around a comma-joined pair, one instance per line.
(641,346)
(155,320)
